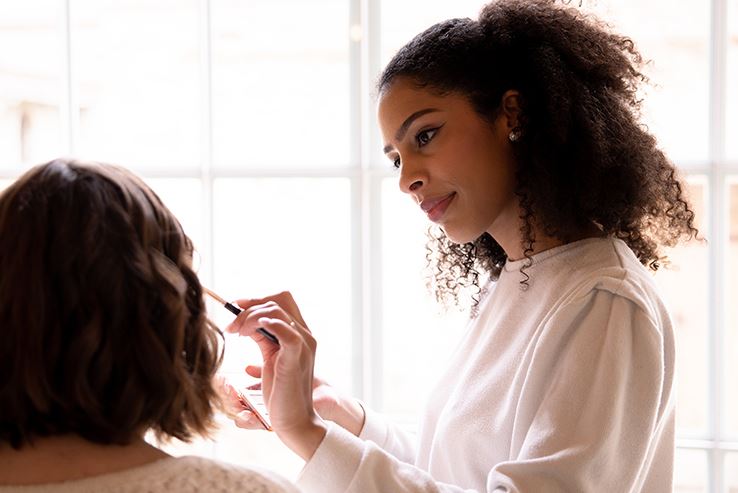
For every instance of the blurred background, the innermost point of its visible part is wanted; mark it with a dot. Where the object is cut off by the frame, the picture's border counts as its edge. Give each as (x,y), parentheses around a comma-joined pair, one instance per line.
(254,120)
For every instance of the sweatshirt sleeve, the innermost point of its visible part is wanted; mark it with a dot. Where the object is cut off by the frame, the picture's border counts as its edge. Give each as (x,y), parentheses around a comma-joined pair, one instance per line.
(598,400)
(594,398)
(387,435)
(345,463)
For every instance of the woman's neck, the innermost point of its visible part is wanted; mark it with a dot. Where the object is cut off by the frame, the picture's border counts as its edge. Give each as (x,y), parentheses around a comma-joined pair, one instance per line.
(70,457)
(515,249)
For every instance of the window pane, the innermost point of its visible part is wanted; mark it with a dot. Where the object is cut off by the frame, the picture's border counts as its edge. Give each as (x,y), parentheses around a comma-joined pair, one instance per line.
(732,84)
(280,82)
(731,333)
(137,68)
(30,128)
(675,36)
(409,376)
(690,471)
(183,196)
(731,473)
(684,285)
(288,234)
(401,21)
(255,448)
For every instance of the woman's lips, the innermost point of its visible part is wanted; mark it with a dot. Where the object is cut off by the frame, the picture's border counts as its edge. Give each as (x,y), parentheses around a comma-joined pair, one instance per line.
(435,208)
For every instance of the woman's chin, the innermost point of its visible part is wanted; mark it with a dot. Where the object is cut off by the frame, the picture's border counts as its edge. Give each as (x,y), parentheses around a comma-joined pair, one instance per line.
(459,237)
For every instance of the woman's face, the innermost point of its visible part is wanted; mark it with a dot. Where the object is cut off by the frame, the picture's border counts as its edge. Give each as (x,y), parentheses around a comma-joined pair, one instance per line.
(455,165)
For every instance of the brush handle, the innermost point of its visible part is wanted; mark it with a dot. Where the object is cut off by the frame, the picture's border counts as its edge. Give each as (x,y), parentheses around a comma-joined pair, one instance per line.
(233,308)
(236,311)
(268,335)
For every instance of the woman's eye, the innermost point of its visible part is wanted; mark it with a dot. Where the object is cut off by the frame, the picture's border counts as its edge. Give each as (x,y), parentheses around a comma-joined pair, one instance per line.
(425,136)
(396,163)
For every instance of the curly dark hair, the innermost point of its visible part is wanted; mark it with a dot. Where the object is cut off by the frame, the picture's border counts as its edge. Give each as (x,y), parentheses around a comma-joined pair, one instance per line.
(583,158)
(103,324)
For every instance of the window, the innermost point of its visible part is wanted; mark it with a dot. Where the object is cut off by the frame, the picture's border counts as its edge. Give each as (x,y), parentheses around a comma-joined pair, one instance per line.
(231,108)
(32,81)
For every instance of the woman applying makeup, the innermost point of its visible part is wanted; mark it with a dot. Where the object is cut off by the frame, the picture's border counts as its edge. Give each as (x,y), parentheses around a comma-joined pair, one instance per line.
(517,134)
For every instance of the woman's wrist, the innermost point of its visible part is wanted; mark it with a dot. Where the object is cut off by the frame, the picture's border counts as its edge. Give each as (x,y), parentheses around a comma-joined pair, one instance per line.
(305,440)
(351,415)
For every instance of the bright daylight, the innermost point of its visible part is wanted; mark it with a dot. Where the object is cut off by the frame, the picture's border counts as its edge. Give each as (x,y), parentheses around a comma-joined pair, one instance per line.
(431,246)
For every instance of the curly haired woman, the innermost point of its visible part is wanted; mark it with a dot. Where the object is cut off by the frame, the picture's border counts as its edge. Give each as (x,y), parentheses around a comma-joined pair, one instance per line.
(103,336)
(518,135)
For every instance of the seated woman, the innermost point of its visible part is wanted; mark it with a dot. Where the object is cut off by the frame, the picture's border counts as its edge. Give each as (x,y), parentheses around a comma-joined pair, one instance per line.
(103,337)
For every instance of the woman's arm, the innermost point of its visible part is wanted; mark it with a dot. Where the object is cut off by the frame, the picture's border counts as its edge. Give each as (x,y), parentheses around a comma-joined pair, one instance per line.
(594,414)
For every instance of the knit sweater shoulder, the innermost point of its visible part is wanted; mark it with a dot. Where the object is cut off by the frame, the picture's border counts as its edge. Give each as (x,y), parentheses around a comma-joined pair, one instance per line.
(183,474)
(565,386)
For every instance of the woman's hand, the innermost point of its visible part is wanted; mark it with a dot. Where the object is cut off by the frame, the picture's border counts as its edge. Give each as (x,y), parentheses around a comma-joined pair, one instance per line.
(328,402)
(287,371)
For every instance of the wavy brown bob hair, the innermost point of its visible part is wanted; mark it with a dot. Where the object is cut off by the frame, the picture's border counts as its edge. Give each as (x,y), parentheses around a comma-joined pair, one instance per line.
(583,157)
(103,332)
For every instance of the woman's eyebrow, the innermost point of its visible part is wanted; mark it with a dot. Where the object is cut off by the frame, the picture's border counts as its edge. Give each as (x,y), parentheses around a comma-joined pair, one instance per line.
(400,134)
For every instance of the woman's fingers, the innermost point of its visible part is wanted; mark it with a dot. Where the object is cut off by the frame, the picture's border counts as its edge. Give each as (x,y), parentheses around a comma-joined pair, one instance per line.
(244,323)
(274,319)
(289,332)
(283,299)
(246,420)
(253,371)
(247,323)
(294,341)
(234,407)
(232,404)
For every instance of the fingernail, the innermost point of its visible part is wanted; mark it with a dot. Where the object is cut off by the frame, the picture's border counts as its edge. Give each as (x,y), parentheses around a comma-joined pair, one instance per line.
(243,418)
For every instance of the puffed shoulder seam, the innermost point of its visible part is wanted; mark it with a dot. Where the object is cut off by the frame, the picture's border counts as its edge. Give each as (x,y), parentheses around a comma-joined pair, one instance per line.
(620,284)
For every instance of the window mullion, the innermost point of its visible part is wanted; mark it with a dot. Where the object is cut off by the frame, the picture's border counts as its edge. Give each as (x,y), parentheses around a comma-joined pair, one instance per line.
(206,130)
(371,206)
(206,148)
(717,233)
(68,107)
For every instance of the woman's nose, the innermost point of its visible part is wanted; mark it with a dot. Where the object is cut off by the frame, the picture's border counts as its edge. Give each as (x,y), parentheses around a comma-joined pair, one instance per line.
(411,177)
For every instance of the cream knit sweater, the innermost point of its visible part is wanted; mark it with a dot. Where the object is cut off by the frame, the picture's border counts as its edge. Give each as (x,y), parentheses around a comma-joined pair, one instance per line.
(181,475)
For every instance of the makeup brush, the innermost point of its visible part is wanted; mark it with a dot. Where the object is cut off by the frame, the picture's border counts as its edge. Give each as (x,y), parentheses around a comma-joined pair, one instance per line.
(236,310)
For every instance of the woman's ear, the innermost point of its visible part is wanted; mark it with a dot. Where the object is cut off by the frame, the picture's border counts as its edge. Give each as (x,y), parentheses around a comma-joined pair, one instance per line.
(510,105)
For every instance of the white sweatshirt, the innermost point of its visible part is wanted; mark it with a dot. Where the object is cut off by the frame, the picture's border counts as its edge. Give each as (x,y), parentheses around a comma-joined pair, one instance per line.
(563,387)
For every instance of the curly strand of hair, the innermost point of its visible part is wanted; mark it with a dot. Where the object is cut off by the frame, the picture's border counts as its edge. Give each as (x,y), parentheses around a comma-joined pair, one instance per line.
(678,210)
(526,229)
(450,267)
